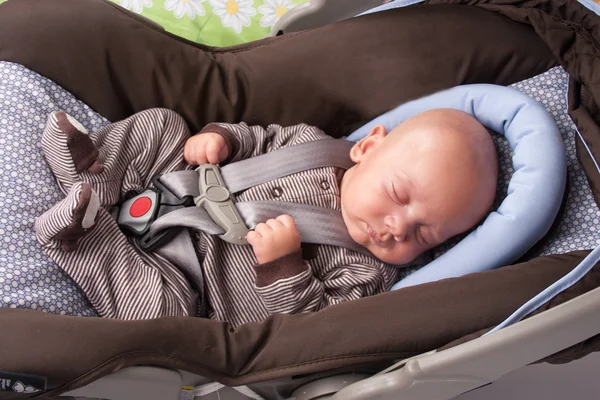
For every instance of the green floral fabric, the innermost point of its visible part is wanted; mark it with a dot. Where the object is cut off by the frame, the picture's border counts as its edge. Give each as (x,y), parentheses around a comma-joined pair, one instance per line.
(213,22)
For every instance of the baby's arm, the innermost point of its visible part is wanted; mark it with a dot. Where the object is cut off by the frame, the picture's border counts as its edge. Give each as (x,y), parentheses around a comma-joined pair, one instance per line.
(224,143)
(288,285)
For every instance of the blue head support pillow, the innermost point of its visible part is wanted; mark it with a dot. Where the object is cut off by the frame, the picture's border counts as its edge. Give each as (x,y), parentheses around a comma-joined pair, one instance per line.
(535,190)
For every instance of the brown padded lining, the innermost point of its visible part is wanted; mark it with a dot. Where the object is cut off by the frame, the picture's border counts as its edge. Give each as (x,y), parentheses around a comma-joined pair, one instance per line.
(336,77)
(74,351)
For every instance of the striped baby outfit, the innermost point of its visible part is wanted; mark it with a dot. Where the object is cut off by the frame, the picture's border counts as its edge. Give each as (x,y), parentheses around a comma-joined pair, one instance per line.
(121,281)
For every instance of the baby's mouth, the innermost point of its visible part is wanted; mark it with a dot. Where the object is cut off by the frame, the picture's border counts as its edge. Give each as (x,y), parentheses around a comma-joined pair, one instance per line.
(374,236)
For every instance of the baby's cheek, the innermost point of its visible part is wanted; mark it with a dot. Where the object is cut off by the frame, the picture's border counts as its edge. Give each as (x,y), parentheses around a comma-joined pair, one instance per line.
(358,236)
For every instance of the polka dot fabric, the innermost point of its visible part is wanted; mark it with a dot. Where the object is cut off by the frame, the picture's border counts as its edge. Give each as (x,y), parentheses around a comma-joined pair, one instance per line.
(578,228)
(28,279)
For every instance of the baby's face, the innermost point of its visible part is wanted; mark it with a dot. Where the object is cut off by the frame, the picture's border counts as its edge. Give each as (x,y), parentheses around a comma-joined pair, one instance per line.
(409,192)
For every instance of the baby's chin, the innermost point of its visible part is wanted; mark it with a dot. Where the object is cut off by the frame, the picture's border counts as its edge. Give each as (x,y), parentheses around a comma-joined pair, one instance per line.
(396,258)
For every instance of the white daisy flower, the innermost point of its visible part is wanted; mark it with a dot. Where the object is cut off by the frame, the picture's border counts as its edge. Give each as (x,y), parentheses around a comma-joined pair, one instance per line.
(272,10)
(189,7)
(234,13)
(135,5)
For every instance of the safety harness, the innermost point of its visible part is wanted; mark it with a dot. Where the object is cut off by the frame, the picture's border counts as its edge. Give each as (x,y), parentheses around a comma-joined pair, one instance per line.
(202,199)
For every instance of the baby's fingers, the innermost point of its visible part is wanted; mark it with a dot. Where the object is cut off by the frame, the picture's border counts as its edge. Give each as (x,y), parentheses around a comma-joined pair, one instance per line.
(189,150)
(287,221)
(275,225)
(253,238)
(263,229)
(197,152)
(213,150)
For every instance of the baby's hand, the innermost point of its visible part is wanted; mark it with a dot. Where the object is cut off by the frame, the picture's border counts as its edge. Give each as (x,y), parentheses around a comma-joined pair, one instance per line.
(208,147)
(275,238)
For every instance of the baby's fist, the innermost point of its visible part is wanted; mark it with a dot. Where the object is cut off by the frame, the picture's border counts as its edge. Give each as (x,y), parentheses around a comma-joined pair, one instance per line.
(274,239)
(208,147)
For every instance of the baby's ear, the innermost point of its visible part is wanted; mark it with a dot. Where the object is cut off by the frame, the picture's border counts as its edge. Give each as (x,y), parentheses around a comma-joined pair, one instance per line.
(368,143)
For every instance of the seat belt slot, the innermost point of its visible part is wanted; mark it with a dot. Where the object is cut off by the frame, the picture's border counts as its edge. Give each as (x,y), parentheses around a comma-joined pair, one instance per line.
(136,215)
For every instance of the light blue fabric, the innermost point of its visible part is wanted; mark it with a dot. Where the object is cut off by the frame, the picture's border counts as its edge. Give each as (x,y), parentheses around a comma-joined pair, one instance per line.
(592,5)
(535,190)
(393,4)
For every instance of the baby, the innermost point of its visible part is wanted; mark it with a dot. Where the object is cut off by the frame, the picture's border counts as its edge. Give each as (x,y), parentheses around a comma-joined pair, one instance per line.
(430,178)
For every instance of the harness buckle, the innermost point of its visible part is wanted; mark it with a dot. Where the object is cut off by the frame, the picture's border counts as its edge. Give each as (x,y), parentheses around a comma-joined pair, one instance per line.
(136,215)
(218,202)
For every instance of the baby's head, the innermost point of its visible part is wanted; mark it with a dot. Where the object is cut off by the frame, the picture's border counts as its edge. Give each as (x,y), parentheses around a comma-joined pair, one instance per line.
(433,177)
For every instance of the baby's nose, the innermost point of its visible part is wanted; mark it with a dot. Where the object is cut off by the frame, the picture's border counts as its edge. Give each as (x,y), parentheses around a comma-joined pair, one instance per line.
(397,226)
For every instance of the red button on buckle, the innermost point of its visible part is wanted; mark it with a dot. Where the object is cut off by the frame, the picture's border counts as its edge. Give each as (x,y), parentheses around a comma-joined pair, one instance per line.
(140,207)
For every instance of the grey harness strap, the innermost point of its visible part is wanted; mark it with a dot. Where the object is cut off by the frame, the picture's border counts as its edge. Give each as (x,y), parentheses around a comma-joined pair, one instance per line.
(315,224)
(254,171)
(212,187)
